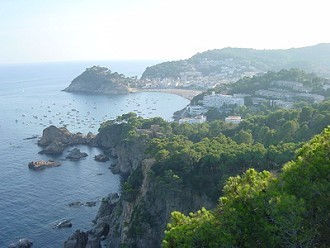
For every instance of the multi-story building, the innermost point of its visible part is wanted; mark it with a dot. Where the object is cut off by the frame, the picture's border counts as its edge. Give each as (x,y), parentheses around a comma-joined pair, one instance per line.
(219,100)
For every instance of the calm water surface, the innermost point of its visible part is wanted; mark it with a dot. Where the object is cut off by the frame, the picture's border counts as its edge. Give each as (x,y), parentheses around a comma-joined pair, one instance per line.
(31,99)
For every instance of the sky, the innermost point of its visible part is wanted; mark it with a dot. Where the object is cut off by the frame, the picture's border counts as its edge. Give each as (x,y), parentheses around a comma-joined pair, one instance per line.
(82,30)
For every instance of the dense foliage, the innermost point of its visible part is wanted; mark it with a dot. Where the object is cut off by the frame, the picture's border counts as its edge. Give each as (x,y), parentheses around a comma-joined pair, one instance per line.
(202,156)
(260,209)
(260,82)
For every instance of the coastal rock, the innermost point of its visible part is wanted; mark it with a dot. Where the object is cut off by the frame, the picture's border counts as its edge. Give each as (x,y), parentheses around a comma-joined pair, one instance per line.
(80,239)
(76,154)
(77,240)
(53,134)
(87,204)
(53,148)
(54,139)
(125,157)
(102,220)
(101,158)
(75,204)
(22,243)
(63,224)
(40,165)
(107,205)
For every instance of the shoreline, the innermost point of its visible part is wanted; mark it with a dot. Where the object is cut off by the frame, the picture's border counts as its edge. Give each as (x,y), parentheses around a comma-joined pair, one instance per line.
(185,93)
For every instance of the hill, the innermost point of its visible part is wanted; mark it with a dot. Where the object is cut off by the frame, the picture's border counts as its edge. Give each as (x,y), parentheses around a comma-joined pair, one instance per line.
(99,80)
(233,63)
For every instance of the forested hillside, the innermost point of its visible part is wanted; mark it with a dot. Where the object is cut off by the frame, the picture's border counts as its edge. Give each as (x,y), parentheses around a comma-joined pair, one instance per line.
(263,209)
(184,167)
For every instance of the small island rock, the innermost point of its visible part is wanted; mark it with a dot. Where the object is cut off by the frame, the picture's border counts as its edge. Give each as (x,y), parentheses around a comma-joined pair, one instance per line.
(41,164)
(101,158)
(100,80)
(76,154)
(63,224)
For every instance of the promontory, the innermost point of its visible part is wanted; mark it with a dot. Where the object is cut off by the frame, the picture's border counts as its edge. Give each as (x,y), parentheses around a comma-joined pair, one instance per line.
(100,80)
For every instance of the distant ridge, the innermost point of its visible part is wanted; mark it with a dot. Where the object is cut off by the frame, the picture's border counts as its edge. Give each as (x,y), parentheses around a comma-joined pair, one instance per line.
(314,59)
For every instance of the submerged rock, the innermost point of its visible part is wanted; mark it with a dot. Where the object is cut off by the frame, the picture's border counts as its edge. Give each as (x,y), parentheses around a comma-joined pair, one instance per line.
(78,204)
(40,165)
(76,154)
(75,204)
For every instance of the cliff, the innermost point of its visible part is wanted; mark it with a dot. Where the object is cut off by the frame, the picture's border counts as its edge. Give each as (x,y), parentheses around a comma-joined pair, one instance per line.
(100,80)
(138,218)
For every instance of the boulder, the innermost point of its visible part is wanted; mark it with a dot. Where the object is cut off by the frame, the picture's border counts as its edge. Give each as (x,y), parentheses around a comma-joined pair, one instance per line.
(101,158)
(63,223)
(76,154)
(41,164)
(22,243)
(52,134)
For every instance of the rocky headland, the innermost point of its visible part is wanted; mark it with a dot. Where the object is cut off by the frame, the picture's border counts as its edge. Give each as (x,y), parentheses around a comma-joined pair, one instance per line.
(139,215)
(100,80)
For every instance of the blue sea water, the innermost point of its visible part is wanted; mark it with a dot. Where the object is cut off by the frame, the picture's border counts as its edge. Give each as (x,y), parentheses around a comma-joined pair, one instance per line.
(31,99)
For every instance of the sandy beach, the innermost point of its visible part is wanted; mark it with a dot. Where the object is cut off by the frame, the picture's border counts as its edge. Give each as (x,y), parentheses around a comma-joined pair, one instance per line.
(188,94)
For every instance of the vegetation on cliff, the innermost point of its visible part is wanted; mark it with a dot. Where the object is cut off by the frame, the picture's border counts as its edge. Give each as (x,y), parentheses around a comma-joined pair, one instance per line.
(192,162)
(264,209)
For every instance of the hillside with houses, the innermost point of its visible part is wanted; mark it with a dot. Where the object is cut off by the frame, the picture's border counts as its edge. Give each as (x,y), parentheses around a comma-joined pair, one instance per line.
(222,66)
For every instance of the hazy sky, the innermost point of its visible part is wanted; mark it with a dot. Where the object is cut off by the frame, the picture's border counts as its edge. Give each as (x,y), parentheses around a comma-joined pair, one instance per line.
(69,30)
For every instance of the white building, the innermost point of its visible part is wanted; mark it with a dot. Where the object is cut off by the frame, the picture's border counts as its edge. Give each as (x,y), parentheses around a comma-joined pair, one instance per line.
(233,119)
(193,120)
(218,100)
(195,110)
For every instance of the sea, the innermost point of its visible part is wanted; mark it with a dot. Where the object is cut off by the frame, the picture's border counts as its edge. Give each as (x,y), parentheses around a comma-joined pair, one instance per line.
(31,97)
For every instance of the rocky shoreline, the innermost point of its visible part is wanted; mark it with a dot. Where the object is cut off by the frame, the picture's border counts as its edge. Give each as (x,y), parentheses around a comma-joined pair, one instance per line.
(54,140)
(117,215)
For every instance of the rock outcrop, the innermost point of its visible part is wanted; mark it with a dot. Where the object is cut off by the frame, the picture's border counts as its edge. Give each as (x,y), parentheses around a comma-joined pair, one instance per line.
(80,239)
(54,139)
(125,156)
(63,224)
(77,240)
(140,221)
(101,158)
(100,80)
(22,243)
(76,154)
(40,165)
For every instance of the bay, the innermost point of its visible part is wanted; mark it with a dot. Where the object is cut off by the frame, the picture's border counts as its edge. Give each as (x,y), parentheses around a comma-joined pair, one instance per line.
(32,99)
